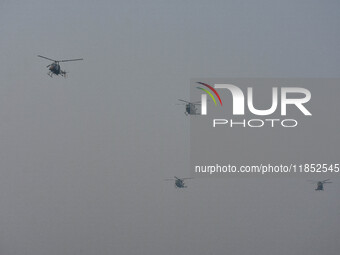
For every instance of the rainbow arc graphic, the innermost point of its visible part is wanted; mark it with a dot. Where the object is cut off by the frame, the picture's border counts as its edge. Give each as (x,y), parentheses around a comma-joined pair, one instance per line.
(209,93)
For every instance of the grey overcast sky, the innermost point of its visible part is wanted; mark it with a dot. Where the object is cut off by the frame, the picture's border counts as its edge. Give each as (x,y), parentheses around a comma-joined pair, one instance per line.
(83,159)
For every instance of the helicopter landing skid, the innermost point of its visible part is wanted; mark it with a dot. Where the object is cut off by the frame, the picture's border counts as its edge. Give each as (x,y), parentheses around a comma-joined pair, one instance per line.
(63,73)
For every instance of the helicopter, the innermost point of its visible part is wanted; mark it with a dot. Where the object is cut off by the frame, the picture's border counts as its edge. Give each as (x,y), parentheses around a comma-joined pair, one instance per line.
(320,184)
(190,107)
(55,67)
(179,182)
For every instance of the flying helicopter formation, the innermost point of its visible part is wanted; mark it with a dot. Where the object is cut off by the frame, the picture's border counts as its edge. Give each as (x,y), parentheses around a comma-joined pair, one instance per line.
(190,109)
(54,68)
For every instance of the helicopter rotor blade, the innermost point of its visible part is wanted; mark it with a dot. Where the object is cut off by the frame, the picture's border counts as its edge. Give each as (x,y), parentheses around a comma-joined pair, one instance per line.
(193,103)
(325,180)
(196,103)
(312,181)
(67,60)
(184,101)
(182,178)
(47,58)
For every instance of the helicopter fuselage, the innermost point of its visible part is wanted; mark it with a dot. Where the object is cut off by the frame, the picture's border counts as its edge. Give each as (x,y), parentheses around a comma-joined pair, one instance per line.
(55,68)
(319,186)
(180,183)
(190,109)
